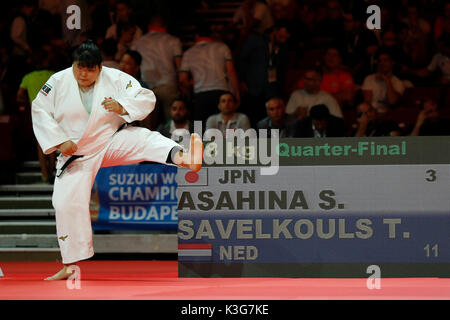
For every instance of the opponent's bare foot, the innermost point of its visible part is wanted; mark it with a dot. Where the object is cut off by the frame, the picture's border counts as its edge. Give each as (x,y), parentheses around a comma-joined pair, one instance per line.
(194,157)
(62,274)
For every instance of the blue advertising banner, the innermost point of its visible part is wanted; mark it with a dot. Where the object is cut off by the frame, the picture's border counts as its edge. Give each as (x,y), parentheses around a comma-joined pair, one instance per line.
(135,197)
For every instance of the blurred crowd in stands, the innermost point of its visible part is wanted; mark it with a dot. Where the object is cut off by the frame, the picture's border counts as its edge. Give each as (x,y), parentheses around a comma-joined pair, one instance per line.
(310,68)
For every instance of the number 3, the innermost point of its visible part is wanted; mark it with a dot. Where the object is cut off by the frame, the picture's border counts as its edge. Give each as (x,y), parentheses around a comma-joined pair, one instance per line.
(432,175)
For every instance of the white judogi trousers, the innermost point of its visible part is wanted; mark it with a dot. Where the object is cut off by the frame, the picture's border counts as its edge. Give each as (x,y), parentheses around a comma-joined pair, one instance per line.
(72,190)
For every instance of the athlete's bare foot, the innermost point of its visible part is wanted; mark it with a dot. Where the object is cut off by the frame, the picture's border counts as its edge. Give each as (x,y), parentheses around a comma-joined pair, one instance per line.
(194,157)
(62,274)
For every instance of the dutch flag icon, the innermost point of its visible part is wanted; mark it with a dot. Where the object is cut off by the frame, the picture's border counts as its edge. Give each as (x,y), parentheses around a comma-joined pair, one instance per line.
(194,251)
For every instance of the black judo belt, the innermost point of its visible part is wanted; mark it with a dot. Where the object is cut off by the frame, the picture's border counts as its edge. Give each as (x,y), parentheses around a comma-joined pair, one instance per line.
(75,157)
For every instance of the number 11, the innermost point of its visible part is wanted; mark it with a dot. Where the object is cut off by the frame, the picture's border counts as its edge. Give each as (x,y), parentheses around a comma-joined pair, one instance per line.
(434,248)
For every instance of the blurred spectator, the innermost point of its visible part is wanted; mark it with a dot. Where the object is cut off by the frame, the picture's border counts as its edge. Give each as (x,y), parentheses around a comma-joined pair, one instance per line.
(262,68)
(442,23)
(301,100)
(359,46)
(5,26)
(429,122)
(319,124)
(382,90)
(228,118)
(277,118)
(52,6)
(125,34)
(300,31)
(352,30)
(414,21)
(283,9)
(418,35)
(371,125)
(440,62)
(161,53)
(123,15)
(46,25)
(109,50)
(20,28)
(336,80)
(20,34)
(102,12)
(5,86)
(388,20)
(211,65)
(408,46)
(29,88)
(303,27)
(179,121)
(131,64)
(2,102)
(331,29)
(307,15)
(277,10)
(32,82)
(253,15)
(390,43)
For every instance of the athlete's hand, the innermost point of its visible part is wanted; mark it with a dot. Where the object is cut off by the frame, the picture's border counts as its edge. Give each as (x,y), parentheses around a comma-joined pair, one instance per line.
(112,105)
(67,148)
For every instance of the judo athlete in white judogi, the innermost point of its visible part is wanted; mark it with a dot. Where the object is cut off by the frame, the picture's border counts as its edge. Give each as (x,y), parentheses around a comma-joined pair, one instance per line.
(79,112)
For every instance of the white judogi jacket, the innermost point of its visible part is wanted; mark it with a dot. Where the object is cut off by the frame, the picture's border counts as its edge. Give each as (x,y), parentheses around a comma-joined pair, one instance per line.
(58,114)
